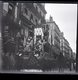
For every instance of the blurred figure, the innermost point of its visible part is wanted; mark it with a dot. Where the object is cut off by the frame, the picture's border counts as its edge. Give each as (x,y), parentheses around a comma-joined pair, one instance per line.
(12,53)
(10,61)
(47,47)
(61,62)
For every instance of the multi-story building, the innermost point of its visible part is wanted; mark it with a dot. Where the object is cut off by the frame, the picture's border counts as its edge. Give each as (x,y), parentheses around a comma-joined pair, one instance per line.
(74,56)
(54,33)
(64,45)
(22,18)
(26,15)
(65,48)
(61,41)
(32,15)
(70,52)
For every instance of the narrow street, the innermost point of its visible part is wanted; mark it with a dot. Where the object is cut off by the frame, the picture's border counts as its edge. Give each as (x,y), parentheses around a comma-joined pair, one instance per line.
(30,42)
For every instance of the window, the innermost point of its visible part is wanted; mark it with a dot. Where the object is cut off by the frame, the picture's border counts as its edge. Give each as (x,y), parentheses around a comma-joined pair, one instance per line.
(31,17)
(0,35)
(5,6)
(6,27)
(26,32)
(22,31)
(17,4)
(10,9)
(34,5)
(47,27)
(19,22)
(26,11)
(36,8)
(16,12)
(36,21)
(44,16)
(12,4)
(40,12)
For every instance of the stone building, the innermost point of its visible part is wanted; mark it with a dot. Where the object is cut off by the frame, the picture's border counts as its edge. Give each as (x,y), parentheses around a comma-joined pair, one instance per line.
(19,20)
(64,45)
(54,33)
(32,17)
(22,18)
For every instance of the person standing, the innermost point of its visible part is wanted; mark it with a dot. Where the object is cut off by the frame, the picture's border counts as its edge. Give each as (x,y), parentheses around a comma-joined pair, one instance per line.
(61,62)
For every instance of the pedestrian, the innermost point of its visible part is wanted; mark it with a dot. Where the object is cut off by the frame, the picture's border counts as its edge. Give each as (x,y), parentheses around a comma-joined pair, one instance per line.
(70,65)
(60,62)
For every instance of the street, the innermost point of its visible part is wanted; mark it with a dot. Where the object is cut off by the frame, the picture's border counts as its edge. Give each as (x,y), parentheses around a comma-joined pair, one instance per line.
(34,71)
(30,42)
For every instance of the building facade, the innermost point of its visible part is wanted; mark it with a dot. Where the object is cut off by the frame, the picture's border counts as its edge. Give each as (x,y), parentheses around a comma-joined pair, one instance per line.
(70,52)
(74,55)
(61,42)
(18,23)
(22,19)
(54,33)
(32,17)
(64,45)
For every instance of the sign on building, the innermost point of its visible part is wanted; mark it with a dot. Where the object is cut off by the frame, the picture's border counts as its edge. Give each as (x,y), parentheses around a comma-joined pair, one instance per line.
(38,31)
(38,37)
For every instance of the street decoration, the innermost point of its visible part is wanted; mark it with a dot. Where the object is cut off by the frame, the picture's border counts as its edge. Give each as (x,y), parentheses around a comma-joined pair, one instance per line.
(38,45)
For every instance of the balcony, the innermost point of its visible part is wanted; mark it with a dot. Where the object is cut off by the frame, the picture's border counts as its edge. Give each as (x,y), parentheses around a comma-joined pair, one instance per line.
(57,32)
(58,40)
(57,45)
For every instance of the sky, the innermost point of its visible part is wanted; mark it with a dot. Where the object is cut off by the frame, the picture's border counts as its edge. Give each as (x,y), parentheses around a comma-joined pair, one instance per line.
(65,16)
